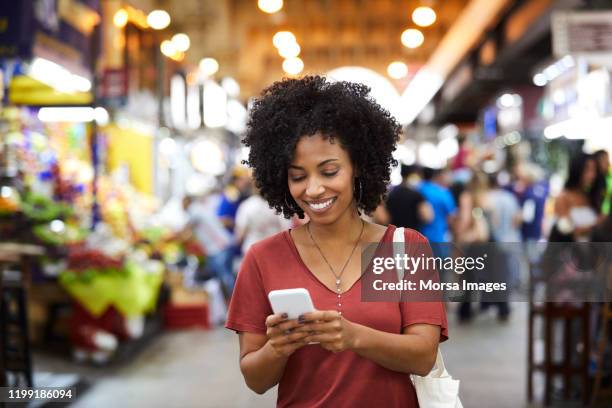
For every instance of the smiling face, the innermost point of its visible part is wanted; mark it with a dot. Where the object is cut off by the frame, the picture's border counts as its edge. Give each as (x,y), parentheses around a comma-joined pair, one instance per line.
(320,179)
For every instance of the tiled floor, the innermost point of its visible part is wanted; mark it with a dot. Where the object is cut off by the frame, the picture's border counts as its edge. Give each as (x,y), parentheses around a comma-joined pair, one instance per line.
(200,369)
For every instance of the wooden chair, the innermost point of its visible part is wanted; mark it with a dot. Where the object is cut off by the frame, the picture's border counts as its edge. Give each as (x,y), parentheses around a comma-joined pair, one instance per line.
(606,319)
(551,313)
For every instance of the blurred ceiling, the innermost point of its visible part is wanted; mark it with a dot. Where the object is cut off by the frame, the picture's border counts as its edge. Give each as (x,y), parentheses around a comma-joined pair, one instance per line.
(331,34)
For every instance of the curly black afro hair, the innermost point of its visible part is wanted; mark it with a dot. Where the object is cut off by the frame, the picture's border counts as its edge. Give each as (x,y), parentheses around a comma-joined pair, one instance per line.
(293,108)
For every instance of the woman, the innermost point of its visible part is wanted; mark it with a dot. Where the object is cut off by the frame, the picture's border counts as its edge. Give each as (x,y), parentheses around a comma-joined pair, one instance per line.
(576,209)
(324,150)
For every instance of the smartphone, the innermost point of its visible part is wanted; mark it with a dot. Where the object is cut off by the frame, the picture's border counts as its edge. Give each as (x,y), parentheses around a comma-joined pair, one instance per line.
(294,302)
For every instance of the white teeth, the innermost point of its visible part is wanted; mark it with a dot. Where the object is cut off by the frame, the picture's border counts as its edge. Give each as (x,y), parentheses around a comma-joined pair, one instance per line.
(321,206)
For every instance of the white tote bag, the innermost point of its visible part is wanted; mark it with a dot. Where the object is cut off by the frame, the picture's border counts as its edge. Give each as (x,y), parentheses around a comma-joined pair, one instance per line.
(437,389)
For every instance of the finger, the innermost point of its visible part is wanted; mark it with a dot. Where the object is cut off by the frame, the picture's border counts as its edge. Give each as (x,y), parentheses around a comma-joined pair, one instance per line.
(324,315)
(324,338)
(285,339)
(320,327)
(275,319)
(288,325)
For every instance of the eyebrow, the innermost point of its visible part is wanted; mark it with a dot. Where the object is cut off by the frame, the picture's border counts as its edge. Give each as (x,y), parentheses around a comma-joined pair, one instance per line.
(323,163)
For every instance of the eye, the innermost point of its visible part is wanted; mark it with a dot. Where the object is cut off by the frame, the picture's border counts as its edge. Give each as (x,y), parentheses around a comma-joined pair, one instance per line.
(295,179)
(330,173)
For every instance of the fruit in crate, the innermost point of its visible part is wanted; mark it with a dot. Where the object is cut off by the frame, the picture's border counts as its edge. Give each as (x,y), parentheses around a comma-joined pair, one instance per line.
(43,209)
(10,202)
(58,233)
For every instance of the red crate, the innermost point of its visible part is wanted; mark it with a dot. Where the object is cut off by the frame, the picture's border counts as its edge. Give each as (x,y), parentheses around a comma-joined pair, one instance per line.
(180,317)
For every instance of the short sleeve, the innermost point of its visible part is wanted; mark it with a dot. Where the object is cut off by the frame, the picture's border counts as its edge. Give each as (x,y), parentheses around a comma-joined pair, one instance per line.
(451,207)
(249,306)
(428,312)
(242,217)
(227,208)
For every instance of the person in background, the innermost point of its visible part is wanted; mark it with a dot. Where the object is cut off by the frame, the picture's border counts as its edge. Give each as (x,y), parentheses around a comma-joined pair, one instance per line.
(575,208)
(434,189)
(405,205)
(237,190)
(504,212)
(602,188)
(531,190)
(470,232)
(255,220)
(213,237)
(504,216)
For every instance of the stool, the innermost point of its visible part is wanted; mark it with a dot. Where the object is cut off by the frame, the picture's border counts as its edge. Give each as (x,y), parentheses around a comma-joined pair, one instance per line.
(606,318)
(15,342)
(567,314)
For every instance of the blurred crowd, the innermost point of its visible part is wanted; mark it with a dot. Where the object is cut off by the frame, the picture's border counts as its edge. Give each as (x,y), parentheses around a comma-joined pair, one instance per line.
(456,205)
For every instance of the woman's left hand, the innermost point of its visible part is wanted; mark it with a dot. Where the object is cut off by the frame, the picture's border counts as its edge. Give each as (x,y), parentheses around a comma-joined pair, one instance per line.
(330,329)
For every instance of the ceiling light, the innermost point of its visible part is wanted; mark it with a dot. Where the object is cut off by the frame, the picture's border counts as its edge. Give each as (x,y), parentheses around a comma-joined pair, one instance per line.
(270,6)
(68,114)
(181,42)
(290,50)
(397,70)
(293,66)
(412,38)
(539,79)
(424,16)
(209,66)
(283,38)
(231,86)
(120,18)
(158,19)
(167,48)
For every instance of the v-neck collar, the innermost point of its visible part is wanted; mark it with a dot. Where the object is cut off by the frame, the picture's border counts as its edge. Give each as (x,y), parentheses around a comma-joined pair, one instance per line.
(297,255)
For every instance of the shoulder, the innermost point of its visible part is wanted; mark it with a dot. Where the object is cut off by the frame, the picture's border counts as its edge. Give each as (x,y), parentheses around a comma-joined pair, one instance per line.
(410,235)
(270,245)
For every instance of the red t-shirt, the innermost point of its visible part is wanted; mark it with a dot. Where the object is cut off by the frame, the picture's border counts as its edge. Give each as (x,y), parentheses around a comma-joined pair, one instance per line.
(313,376)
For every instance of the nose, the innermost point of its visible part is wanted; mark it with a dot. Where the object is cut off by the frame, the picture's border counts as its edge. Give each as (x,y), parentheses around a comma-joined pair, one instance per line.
(315,187)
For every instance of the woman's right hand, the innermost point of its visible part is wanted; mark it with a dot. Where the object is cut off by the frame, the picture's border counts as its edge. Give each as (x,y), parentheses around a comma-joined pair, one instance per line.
(282,337)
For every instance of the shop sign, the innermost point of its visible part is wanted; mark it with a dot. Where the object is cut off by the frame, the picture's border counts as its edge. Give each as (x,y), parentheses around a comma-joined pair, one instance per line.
(16,26)
(114,87)
(585,33)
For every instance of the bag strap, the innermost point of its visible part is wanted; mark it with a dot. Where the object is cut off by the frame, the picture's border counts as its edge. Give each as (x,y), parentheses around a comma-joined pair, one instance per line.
(399,249)
(440,369)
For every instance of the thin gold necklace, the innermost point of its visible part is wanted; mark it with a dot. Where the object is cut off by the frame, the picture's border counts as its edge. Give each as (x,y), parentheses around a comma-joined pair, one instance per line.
(337,276)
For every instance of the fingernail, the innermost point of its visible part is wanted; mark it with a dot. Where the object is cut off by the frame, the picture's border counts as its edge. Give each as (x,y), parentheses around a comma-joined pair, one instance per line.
(284,315)
(301,319)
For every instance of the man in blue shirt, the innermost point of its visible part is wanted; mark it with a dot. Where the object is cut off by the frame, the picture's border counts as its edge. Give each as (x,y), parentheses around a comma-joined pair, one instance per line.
(434,189)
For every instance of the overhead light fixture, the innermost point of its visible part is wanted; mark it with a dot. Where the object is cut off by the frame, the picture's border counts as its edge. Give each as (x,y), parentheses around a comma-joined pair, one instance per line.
(508,100)
(101,116)
(167,48)
(539,79)
(412,38)
(120,18)
(167,146)
(293,66)
(290,50)
(215,105)
(231,86)
(158,19)
(424,16)
(181,42)
(66,114)
(209,66)
(58,77)
(283,38)
(397,70)
(270,6)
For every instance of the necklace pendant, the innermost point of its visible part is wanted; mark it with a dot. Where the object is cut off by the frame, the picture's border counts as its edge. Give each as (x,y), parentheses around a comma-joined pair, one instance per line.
(338,282)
